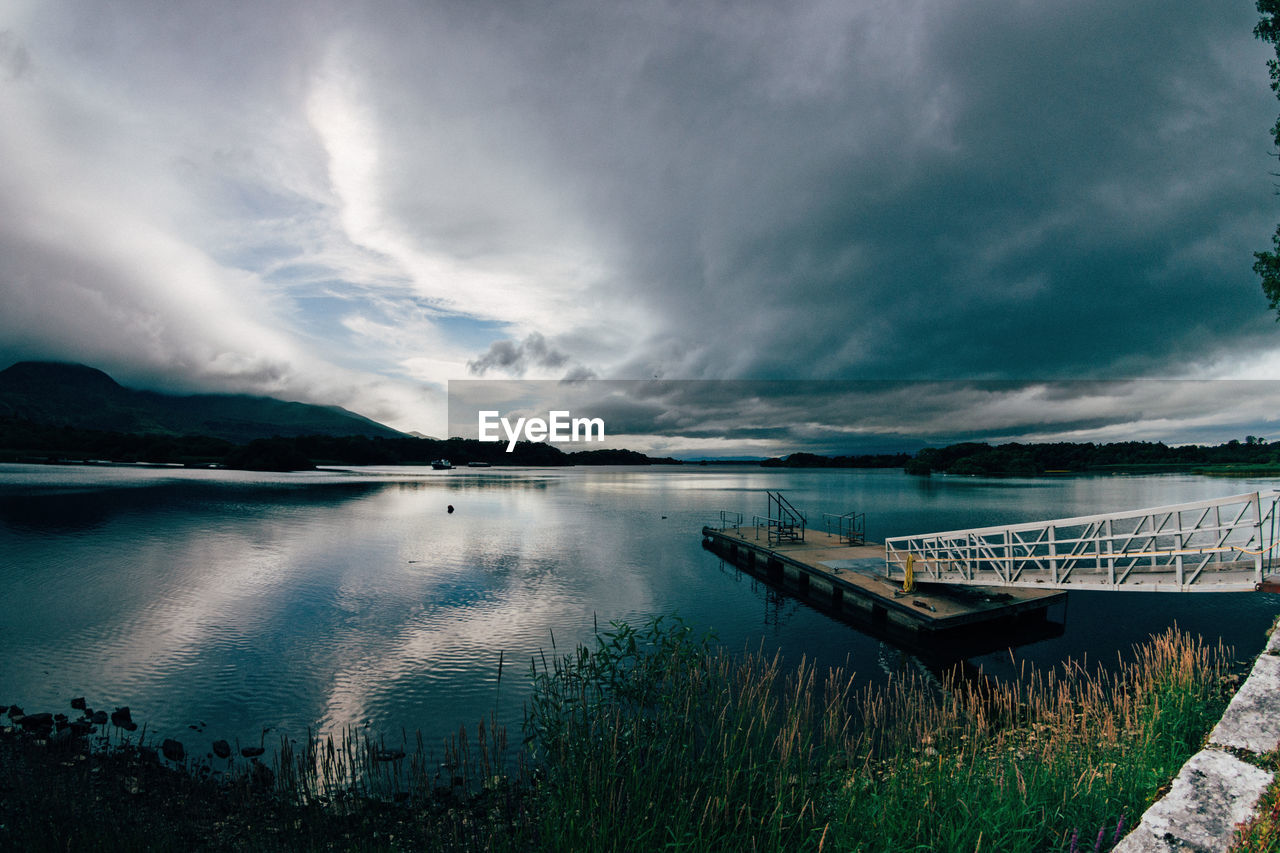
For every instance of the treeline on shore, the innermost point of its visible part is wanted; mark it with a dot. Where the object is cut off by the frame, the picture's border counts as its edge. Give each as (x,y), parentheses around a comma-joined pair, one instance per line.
(24,440)
(1076,457)
(1252,455)
(813,460)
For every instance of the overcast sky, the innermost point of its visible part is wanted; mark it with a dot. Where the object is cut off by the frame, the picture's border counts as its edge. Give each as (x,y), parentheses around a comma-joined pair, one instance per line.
(353,203)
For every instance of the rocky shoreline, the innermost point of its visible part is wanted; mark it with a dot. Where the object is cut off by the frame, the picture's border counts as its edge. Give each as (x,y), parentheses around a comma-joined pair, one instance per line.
(60,730)
(64,784)
(1221,787)
(87,782)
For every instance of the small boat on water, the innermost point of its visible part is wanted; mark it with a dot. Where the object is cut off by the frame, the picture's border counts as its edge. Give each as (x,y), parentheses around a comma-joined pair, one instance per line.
(442,464)
(478,465)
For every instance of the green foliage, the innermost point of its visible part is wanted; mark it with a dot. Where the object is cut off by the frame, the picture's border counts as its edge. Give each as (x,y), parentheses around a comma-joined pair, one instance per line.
(654,739)
(1262,834)
(618,457)
(919,466)
(657,739)
(1023,766)
(1061,457)
(1268,30)
(1267,264)
(22,439)
(813,460)
(268,454)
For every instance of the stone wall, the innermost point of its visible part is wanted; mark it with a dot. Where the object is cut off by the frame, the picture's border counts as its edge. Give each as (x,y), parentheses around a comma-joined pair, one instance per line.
(1216,790)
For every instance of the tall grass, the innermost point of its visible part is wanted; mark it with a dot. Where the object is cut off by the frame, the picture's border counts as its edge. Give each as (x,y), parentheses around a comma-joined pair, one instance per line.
(1023,766)
(355,765)
(657,739)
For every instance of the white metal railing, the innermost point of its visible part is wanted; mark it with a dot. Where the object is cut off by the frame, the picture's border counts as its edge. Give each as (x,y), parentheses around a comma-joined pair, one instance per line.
(1214,545)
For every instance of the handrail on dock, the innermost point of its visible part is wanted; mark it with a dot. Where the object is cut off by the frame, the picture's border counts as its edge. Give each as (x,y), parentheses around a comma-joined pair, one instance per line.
(785,522)
(1213,545)
(772,526)
(851,528)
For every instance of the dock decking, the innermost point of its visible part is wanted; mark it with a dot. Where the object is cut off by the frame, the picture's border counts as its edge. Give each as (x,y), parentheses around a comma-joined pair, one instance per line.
(852,578)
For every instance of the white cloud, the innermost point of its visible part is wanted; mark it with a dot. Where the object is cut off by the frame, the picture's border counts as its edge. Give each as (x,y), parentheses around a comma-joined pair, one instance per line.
(98,264)
(469,230)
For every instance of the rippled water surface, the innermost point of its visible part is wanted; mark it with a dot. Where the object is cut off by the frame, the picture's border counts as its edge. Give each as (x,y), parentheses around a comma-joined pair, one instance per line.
(318,600)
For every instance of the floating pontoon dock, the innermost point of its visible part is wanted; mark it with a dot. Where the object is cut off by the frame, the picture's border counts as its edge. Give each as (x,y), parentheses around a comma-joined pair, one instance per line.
(987,575)
(851,578)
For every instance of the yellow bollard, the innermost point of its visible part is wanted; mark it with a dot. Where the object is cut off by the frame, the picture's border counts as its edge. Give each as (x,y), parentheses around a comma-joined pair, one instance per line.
(909,579)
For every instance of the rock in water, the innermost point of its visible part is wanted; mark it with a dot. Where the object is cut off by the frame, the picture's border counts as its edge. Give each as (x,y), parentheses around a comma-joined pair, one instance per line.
(173,750)
(222,749)
(123,719)
(78,703)
(37,722)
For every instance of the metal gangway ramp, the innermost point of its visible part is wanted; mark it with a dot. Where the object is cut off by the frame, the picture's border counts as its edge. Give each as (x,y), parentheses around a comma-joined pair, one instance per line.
(1220,545)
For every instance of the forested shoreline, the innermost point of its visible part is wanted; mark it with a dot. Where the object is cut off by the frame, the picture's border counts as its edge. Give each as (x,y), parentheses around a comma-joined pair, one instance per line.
(26,441)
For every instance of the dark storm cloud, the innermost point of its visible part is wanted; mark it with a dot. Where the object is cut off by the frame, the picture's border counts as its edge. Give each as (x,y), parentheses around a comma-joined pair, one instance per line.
(533,351)
(766,418)
(980,188)
(962,189)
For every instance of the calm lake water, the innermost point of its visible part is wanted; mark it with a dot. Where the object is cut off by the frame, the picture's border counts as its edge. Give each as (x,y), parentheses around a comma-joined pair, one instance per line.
(350,597)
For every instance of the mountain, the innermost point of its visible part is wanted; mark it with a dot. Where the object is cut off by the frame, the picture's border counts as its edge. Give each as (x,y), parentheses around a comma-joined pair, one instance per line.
(74,395)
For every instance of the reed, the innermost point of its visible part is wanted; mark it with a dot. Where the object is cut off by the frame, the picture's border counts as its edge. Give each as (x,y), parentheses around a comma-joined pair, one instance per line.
(656,738)
(1029,764)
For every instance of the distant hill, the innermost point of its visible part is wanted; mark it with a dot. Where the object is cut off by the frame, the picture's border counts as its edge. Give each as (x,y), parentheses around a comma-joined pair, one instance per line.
(74,395)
